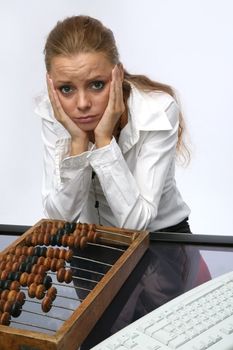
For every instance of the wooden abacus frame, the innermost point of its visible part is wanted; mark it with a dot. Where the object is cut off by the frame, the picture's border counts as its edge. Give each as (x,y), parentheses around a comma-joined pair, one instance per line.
(76,328)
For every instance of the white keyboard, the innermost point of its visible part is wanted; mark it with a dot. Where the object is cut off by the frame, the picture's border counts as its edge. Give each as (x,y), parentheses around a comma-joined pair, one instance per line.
(199,319)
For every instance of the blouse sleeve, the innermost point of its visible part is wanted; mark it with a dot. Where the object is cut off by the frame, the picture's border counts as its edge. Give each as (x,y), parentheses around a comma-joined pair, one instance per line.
(134,195)
(66,180)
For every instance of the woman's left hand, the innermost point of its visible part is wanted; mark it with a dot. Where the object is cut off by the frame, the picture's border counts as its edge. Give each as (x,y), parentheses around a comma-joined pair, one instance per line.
(115,108)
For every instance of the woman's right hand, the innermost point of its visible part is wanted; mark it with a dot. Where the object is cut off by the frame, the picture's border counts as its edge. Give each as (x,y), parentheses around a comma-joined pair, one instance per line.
(79,138)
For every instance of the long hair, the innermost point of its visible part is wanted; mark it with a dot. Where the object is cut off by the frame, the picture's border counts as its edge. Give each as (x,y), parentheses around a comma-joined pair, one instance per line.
(84,34)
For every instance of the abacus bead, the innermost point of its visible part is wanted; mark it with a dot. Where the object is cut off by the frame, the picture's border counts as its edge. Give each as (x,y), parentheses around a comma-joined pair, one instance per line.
(22,267)
(28,240)
(16,309)
(20,297)
(46,304)
(7,284)
(61,274)
(33,240)
(62,254)
(5,319)
(68,276)
(2,303)
(92,227)
(3,265)
(28,268)
(59,240)
(15,266)
(47,263)
(83,242)
(77,241)
(56,253)
(47,282)
(52,292)
(49,252)
(53,266)
(60,263)
(31,279)
(31,250)
(7,306)
(24,250)
(40,239)
(69,255)
(40,291)
(8,266)
(18,251)
(4,275)
(38,279)
(60,231)
(23,279)
(77,231)
(41,260)
(53,240)
(35,269)
(64,240)
(90,236)
(47,239)
(32,290)
(37,251)
(67,227)
(42,270)
(12,295)
(11,275)
(43,251)
(70,241)
(34,259)
(15,285)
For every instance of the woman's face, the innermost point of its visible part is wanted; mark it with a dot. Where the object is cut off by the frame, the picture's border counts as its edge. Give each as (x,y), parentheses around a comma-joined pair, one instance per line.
(82,82)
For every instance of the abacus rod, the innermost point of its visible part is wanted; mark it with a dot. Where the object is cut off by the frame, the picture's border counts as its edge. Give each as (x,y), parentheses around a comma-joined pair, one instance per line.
(54,305)
(32,325)
(92,260)
(77,278)
(45,315)
(70,298)
(91,271)
(106,246)
(66,285)
(113,233)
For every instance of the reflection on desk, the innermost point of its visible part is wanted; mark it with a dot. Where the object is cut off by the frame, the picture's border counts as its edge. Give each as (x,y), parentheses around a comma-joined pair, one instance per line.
(164,272)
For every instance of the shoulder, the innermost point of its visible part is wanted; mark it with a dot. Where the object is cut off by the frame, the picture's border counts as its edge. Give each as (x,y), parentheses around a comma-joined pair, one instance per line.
(43,107)
(153,110)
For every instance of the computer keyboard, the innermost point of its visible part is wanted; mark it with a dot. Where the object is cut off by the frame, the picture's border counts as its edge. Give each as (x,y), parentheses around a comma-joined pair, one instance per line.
(199,319)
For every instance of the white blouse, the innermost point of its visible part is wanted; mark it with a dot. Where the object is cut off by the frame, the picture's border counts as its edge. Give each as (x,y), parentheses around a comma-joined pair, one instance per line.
(134,182)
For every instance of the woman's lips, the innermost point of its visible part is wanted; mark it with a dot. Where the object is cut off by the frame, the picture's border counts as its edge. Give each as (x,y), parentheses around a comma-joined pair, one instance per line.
(85,120)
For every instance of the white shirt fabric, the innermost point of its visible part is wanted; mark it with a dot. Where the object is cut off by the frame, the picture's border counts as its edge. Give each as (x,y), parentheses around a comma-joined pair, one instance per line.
(134,182)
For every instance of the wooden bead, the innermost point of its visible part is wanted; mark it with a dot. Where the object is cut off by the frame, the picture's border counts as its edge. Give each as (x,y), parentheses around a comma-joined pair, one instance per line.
(40,291)
(40,239)
(4,294)
(52,293)
(7,306)
(12,295)
(70,241)
(46,304)
(32,290)
(47,239)
(5,319)
(83,242)
(61,274)
(16,309)
(69,255)
(18,251)
(62,254)
(15,266)
(42,270)
(31,250)
(24,250)
(68,276)
(31,279)
(77,241)
(53,266)
(38,279)
(21,297)
(47,263)
(23,279)
(4,275)
(64,240)
(2,302)
(50,252)
(15,285)
(60,263)
(40,260)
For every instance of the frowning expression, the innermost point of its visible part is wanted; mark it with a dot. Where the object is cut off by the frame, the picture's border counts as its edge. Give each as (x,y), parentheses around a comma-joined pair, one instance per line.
(82,82)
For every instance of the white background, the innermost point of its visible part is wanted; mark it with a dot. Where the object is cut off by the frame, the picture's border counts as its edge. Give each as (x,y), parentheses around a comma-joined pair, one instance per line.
(188,44)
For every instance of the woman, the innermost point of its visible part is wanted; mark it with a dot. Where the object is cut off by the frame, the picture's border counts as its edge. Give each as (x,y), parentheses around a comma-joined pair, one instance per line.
(110,138)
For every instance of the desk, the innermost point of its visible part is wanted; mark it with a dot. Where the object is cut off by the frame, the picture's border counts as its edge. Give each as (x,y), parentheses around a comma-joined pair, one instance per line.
(173,264)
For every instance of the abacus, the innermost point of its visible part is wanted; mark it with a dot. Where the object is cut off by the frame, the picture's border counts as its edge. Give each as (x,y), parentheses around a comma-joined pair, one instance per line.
(57,279)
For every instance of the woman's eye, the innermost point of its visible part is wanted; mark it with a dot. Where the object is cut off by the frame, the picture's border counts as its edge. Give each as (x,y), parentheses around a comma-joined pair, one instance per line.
(66,89)
(97,85)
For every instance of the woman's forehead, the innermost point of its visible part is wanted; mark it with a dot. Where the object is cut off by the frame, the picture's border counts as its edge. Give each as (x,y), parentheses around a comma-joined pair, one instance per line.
(81,66)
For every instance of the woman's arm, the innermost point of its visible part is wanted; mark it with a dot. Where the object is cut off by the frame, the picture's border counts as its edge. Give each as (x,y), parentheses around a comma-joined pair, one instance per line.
(66,180)
(134,196)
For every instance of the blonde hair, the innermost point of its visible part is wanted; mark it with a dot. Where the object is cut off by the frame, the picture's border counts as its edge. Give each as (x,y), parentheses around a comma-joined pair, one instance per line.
(84,34)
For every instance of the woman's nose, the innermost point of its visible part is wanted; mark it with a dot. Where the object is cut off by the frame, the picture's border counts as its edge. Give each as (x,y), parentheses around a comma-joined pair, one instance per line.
(83,101)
